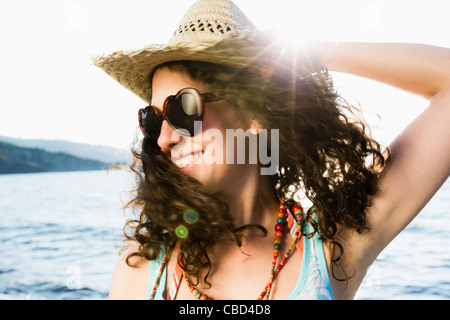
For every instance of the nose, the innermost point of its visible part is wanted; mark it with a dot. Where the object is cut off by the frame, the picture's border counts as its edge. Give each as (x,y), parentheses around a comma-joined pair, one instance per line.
(168,138)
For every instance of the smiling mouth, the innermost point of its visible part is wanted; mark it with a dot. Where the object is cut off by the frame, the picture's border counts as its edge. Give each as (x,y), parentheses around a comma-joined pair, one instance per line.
(193,158)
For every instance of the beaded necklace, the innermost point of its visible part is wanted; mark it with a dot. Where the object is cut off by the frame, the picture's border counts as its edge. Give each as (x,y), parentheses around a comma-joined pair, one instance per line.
(275,269)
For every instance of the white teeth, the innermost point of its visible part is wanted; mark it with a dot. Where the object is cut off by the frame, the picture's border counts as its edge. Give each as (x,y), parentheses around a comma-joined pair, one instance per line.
(189,159)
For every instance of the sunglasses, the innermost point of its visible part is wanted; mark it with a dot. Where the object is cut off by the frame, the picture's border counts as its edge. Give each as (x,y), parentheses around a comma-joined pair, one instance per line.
(180,111)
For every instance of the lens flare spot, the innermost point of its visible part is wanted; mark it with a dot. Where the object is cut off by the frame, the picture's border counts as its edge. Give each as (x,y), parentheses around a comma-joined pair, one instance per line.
(181,231)
(190,216)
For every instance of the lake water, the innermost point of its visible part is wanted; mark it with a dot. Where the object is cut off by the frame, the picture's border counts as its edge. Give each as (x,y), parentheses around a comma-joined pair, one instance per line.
(60,234)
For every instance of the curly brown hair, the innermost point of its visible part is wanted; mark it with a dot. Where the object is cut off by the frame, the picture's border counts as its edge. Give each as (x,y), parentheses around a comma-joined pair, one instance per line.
(325,150)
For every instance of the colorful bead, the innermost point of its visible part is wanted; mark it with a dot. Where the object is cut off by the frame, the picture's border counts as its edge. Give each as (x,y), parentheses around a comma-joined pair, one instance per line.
(277,240)
(194,291)
(277,246)
(279,234)
(279,227)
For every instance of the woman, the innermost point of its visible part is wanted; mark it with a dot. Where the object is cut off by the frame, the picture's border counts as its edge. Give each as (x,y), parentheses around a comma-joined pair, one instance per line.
(226,230)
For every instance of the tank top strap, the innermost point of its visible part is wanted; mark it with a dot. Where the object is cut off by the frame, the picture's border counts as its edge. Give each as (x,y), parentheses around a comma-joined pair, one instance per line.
(314,282)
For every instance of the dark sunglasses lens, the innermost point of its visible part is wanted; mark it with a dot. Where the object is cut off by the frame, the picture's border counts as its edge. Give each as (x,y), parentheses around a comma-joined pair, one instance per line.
(150,123)
(184,110)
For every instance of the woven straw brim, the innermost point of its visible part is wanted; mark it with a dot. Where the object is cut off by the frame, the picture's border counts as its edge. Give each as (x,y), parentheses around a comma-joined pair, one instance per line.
(133,69)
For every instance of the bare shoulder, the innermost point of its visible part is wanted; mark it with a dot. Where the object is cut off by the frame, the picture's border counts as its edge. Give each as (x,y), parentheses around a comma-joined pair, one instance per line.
(130,280)
(354,259)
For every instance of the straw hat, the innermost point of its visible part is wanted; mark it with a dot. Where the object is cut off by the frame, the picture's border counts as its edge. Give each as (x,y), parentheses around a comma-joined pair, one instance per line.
(214,31)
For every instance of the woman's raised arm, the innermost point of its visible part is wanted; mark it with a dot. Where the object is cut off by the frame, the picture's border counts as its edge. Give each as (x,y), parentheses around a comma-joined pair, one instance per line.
(420,156)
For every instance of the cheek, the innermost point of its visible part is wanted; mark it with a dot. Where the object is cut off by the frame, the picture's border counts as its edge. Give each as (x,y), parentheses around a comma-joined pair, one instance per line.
(210,120)
(222,117)
(214,136)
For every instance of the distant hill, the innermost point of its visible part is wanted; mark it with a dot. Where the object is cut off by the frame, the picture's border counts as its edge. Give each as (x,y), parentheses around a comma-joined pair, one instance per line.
(100,153)
(15,159)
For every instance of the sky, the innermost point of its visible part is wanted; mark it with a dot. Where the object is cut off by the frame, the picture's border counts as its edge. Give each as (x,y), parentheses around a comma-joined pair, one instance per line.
(49,88)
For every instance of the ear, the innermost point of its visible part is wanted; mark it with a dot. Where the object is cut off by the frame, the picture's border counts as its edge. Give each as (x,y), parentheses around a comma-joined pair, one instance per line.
(266,71)
(255,127)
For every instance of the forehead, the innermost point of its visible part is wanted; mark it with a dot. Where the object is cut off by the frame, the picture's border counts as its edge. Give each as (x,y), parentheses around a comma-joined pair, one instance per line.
(168,81)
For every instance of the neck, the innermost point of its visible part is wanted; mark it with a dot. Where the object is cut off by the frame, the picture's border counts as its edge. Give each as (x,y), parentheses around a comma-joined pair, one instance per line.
(252,200)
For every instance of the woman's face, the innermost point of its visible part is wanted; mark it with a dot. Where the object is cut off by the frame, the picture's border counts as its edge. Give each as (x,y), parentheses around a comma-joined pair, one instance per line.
(203,156)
